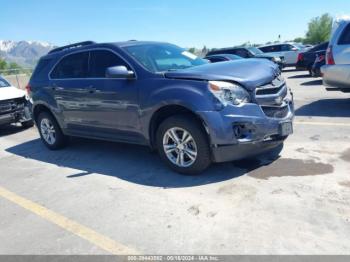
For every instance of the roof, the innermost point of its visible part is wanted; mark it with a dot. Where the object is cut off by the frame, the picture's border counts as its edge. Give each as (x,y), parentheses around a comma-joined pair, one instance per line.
(90,44)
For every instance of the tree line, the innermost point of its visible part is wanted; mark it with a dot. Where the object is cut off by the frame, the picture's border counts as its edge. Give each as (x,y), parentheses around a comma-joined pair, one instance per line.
(8,68)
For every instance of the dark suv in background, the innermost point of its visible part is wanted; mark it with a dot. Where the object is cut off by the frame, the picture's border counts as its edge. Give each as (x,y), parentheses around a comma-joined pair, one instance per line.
(248,52)
(157,94)
(307,59)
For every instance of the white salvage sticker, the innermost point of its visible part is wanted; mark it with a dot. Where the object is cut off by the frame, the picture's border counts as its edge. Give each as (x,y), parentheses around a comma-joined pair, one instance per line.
(189,55)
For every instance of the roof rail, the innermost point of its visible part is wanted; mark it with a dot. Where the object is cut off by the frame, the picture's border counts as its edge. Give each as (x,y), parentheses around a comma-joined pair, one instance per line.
(66,47)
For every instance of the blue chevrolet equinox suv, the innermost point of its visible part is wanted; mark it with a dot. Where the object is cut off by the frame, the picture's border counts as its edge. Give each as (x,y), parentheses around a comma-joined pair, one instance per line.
(160,95)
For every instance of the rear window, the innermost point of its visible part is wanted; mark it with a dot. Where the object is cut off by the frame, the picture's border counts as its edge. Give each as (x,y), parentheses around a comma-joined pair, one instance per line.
(72,66)
(345,36)
(3,82)
(319,47)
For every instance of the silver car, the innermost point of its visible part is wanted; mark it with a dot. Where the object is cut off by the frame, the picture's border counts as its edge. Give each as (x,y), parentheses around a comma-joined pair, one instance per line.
(336,72)
(289,51)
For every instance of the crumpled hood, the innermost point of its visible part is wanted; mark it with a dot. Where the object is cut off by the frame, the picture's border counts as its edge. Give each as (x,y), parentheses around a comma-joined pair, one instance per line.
(10,93)
(249,73)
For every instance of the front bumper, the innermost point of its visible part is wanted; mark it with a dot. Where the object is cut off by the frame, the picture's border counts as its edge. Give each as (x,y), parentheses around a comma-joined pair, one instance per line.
(260,133)
(20,114)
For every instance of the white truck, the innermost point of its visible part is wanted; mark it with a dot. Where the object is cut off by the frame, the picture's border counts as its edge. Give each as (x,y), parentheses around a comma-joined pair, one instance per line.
(15,106)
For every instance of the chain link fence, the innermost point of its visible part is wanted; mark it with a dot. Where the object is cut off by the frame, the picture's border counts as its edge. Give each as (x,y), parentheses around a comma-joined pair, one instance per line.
(17,77)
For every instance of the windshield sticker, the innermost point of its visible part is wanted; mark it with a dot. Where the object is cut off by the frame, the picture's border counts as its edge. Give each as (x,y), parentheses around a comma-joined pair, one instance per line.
(189,55)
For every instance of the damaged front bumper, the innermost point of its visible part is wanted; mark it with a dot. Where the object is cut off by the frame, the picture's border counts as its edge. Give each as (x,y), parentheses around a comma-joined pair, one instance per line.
(251,129)
(14,111)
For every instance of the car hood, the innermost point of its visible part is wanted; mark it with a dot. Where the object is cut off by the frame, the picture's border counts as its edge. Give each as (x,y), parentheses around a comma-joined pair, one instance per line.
(10,93)
(249,73)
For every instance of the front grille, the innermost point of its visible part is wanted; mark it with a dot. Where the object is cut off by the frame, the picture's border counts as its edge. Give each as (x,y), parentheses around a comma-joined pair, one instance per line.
(269,91)
(275,112)
(11,105)
(271,98)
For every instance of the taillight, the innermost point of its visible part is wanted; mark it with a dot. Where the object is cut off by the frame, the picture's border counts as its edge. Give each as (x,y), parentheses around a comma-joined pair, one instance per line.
(320,58)
(329,56)
(28,88)
(300,56)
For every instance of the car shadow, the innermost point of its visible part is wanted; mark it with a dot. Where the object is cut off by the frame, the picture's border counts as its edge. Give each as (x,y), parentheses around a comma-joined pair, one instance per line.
(312,83)
(299,76)
(133,163)
(326,108)
(6,130)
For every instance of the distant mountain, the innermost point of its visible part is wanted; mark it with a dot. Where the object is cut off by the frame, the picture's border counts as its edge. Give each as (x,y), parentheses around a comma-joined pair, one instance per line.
(24,53)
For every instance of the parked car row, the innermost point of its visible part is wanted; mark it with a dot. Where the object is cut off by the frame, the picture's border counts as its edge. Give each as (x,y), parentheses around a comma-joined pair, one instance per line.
(246,52)
(330,60)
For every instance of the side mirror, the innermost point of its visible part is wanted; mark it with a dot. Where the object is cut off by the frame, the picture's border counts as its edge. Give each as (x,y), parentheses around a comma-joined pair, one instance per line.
(120,72)
(295,49)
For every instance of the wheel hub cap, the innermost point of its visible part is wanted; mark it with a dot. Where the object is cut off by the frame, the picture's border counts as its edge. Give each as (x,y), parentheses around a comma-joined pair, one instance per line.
(180,147)
(48,131)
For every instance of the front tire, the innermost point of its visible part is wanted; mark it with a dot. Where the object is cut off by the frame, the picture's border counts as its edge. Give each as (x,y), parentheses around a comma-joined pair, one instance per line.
(183,145)
(50,132)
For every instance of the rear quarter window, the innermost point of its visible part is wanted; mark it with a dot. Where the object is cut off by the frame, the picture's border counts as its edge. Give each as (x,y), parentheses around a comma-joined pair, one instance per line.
(41,70)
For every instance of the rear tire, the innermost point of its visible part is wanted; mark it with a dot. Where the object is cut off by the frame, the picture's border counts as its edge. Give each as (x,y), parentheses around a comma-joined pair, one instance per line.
(50,132)
(183,145)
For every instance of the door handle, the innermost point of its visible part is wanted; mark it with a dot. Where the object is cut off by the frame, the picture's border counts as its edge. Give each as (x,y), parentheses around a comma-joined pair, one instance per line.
(91,89)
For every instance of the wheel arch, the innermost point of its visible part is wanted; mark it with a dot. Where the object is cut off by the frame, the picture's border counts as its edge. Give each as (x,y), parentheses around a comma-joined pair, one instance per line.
(167,111)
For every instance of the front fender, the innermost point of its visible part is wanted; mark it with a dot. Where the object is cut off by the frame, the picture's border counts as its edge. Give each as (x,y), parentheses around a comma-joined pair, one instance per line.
(191,95)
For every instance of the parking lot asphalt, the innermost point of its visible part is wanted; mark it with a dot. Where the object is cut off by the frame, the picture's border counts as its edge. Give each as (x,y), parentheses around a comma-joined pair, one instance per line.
(98,197)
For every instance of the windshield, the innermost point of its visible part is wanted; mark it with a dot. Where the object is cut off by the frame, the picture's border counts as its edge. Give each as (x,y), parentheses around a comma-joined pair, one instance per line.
(255,50)
(164,57)
(3,82)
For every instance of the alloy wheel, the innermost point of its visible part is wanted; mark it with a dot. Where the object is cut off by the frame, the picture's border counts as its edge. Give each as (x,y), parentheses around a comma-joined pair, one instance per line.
(48,131)
(180,147)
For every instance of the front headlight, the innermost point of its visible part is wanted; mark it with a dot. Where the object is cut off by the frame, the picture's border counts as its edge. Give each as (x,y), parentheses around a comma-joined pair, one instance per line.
(228,93)
(276,59)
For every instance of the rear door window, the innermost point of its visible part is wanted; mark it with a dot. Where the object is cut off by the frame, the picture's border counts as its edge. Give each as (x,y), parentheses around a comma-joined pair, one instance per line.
(100,60)
(345,36)
(72,66)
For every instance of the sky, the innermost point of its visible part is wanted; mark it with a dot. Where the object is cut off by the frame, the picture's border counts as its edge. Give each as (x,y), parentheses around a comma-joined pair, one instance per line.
(187,23)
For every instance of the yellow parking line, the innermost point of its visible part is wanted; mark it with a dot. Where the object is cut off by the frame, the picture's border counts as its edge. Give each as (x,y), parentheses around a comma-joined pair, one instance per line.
(320,123)
(69,225)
